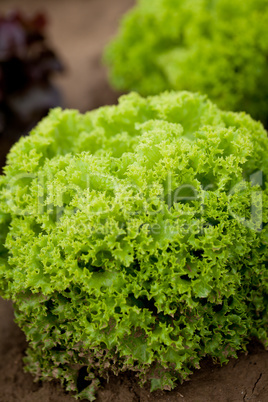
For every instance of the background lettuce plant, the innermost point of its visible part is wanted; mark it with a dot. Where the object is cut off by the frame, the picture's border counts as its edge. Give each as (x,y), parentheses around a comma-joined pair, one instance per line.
(134,237)
(217,47)
(27,63)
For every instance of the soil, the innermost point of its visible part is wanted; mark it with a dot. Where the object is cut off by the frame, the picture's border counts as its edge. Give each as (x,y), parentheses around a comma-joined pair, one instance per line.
(79,31)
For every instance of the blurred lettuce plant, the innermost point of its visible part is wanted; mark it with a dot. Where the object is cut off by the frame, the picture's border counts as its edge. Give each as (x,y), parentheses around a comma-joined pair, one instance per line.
(134,237)
(217,47)
(27,64)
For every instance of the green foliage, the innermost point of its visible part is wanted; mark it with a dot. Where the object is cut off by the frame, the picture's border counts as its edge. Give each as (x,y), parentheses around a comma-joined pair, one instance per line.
(217,47)
(134,237)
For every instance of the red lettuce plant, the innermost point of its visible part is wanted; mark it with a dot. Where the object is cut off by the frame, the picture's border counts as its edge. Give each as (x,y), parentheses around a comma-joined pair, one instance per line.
(26,65)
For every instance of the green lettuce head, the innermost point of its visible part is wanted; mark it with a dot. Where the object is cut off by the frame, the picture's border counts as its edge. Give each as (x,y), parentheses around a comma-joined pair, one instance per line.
(134,237)
(217,47)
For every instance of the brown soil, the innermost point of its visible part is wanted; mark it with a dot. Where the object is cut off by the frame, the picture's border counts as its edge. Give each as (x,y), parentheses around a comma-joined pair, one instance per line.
(79,30)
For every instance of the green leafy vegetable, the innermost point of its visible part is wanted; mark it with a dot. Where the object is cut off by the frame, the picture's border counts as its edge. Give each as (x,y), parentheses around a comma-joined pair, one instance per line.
(134,237)
(217,47)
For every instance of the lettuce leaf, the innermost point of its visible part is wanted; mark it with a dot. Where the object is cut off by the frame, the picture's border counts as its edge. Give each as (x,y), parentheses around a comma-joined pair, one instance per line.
(216,47)
(134,237)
